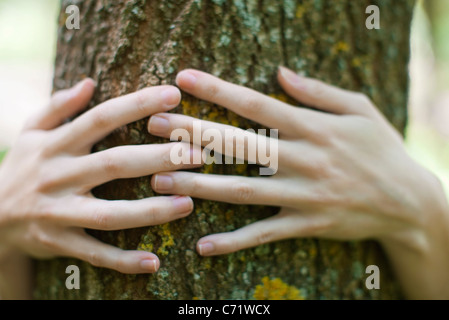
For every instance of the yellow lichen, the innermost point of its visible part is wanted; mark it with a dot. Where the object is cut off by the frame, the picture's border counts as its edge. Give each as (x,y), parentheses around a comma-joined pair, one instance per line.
(235,122)
(356,62)
(340,46)
(190,109)
(300,11)
(214,116)
(276,289)
(145,247)
(280,97)
(208,168)
(167,240)
(313,252)
(207,265)
(241,168)
(195,298)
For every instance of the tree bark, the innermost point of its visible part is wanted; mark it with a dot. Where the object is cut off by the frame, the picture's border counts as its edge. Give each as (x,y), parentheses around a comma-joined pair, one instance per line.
(128,45)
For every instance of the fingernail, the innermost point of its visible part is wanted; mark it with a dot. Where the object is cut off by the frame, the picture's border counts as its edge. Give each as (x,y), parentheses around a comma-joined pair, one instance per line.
(171,97)
(158,125)
(163,183)
(290,76)
(149,265)
(206,248)
(186,80)
(183,204)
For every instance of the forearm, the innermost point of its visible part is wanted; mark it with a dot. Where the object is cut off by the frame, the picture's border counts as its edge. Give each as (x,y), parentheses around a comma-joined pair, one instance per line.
(420,258)
(15,274)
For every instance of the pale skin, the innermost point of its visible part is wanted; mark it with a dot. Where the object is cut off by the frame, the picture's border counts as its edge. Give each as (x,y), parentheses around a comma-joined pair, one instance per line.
(343,174)
(47,178)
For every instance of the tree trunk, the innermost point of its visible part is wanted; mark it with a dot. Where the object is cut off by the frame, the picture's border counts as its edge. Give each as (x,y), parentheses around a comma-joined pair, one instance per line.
(128,45)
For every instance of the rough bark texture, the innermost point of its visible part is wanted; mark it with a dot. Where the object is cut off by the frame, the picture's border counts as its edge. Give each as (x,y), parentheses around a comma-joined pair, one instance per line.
(128,45)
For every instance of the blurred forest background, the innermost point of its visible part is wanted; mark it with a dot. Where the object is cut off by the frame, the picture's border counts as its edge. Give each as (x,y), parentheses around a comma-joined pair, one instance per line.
(28,31)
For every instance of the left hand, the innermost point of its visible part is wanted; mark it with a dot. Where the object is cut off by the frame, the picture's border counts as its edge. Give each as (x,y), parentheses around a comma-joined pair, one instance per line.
(343,173)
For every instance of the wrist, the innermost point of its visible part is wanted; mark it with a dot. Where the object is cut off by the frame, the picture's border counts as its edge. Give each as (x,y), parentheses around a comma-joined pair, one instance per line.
(427,222)
(416,252)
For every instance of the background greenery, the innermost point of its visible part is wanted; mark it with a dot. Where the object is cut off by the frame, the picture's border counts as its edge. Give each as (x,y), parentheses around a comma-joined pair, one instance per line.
(428,131)
(2,155)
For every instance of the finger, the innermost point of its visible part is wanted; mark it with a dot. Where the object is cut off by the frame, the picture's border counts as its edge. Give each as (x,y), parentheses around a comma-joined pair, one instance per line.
(87,248)
(132,162)
(285,225)
(224,139)
(230,189)
(112,114)
(245,102)
(106,215)
(323,96)
(63,104)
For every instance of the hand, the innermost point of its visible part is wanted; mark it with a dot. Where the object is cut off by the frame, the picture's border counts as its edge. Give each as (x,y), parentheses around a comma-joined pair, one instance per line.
(46,179)
(343,173)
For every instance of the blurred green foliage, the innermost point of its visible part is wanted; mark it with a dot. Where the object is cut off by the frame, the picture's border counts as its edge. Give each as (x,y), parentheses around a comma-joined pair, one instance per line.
(438,14)
(2,154)
(425,144)
(431,150)
(437,11)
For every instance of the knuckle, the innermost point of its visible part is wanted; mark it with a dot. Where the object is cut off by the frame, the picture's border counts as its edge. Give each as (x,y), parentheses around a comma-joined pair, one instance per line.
(316,132)
(166,158)
(151,215)
(47,181)
(364,126)
(321,197)
(320,226)
(320,132)
(363,100)
(264,236)
(102,219)
(141,101)
(44,212)
(48,148)
(242,192)
(111,165)
(42,144)
(211,91)
(94,258)
(56,98)
(318,197)
(321,167)
(252,104)
(100,119)
(194,185)
(38,235)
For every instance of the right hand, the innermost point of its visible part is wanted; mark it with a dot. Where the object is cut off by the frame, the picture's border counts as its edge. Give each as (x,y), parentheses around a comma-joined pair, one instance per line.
(47,178)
